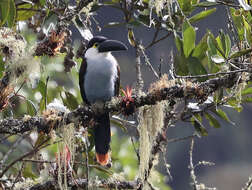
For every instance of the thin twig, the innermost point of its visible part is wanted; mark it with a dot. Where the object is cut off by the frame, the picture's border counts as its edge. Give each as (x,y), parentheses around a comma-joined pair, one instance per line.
(147,61)
(5,137)
(18,176)
(181,138)
(134,147)
(191,167)
(30,9)
(248,185)
(86,160)
(212,74)
(160,39)
(11,149)
(140,82)
(38,161)
(33,151)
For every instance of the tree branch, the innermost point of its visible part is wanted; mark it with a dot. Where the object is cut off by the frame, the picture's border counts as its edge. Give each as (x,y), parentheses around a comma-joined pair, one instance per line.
(198,91)
(82,183)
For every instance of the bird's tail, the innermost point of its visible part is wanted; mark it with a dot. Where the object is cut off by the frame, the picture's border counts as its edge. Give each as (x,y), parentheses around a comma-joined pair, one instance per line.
(102,137)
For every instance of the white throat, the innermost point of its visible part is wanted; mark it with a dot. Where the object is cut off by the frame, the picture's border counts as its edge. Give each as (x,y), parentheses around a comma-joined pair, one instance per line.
(93,54)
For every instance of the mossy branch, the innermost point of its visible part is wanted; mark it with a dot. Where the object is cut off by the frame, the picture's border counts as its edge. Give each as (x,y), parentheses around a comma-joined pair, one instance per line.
(197,91)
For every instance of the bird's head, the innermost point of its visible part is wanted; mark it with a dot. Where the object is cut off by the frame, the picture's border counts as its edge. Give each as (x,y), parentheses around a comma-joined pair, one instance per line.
(100,45)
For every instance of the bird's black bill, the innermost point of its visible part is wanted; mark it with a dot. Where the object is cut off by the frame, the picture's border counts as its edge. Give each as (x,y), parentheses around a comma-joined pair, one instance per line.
(112,45)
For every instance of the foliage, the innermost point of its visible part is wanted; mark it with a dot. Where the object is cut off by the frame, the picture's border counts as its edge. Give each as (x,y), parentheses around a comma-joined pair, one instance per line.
(44,25)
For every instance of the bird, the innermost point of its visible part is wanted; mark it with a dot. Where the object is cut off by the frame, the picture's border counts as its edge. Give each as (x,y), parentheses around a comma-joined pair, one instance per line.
(99,81)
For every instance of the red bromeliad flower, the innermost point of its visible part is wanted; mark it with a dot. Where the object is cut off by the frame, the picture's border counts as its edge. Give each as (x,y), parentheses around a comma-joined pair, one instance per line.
(128,101)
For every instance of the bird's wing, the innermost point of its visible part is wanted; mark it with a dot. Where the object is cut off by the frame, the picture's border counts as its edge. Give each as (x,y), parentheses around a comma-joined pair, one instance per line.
(82,73)
(117,82)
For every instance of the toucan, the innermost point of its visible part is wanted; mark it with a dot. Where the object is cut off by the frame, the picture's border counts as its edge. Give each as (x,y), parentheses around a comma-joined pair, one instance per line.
(99,80)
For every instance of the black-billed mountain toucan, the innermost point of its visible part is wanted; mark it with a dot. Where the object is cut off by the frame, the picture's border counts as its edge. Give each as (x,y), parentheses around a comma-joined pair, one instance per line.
(99,80)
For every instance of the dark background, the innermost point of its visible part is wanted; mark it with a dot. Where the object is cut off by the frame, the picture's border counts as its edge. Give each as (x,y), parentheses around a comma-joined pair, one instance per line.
(228,147)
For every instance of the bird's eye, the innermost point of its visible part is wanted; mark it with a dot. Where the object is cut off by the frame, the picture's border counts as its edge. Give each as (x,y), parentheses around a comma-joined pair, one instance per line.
(95,45)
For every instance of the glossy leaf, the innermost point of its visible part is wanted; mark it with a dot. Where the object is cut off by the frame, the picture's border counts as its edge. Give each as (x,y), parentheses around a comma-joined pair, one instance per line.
(102,169)
(27,171)
(189,37)
(41,138)
(247,100)
(31,108)
(201,48)
(181,65)
(42,89)
(186,6)
(70,101)
(212,120)
(144,19)
(223,115)
(196,68)
(42,2)
(199,127)
(240,53)
(232,102)
(228,45)
(179,43)
(217,45)
(12,14)
(201,15)
(238,21)
(1,66)
(131,37)
(26,14)
(206,4)
(4,11)
(246,91)
(118,124)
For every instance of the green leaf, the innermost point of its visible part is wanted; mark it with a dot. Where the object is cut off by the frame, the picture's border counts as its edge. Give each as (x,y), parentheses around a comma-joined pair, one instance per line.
(12,14)
(206,4)
(211,52)
(201,15)
(31,109)
(199,127)
(2,68)
(144,19)
(70,101)
(41,138)
(201,48)
(102,169)
(179,43)
(181,65)
(28,13)
(186,6)
(223,115)
(42,88)
(240,53)
(118,124)
(238,21)
(246,91)
(113,24)
(189,37)
(27,171)
(235,104)
(228,45)
(42,2)
(4,11)
(196,68)
(247,100)
(212,121)
(217,45)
